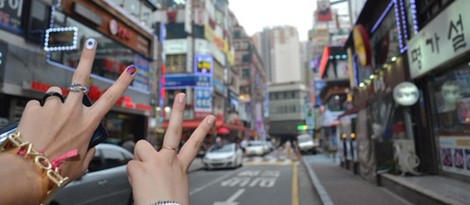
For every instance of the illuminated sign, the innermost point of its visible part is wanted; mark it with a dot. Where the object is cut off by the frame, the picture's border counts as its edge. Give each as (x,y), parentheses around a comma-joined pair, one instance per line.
(406,94)
(362,45)
(203,99)
(61,39)
(203,64)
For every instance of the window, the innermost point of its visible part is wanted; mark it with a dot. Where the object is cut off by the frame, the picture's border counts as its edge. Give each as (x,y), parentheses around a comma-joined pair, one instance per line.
(246,73)
(111,57)
(452,100)
(176,63)
(113,158)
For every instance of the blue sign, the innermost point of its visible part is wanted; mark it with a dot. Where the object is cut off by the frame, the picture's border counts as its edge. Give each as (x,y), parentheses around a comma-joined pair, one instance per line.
(178,81)
(203,99)
(220,87)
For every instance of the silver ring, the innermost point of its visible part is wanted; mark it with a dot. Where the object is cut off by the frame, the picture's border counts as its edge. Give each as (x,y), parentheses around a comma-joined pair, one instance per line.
(77,87)
(169,148)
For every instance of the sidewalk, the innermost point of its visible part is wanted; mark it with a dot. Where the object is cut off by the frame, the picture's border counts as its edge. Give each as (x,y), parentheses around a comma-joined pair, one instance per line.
(336,185)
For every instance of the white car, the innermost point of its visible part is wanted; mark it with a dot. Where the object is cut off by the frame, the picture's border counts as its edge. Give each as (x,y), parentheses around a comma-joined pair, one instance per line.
(105,183)
(256,148)
(307,143)
(225,156)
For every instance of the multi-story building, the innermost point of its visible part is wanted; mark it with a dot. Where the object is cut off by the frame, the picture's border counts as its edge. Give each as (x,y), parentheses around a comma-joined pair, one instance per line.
(41,43)
(253,84)
(281,49)
(199,61)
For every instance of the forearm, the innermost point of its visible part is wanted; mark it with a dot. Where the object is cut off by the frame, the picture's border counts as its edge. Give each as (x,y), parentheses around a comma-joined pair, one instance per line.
(20,183)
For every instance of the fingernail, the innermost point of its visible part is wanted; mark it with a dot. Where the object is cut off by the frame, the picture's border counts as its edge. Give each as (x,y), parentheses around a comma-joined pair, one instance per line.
(90,43)
(181,98)
(210,121)
(131,69)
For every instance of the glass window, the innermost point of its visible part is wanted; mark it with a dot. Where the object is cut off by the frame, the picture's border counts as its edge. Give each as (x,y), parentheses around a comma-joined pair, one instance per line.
(111,57)
(176,63)
(452,100)
(113,158)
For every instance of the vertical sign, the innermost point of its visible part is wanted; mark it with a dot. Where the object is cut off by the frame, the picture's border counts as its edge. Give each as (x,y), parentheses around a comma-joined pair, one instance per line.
(203,99)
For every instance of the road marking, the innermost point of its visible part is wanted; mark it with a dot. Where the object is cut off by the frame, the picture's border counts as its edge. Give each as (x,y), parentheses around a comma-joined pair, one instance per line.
(231,200)
(295,185)
(211,183)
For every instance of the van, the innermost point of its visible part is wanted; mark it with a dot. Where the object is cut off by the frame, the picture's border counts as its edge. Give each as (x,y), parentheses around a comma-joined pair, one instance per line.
(307,144)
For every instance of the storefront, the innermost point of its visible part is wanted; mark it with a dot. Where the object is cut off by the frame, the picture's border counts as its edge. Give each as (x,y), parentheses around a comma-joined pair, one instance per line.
(42,48)
(374,123)
(438,58)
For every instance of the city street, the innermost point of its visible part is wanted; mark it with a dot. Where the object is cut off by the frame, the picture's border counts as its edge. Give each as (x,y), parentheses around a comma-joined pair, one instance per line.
(262,180)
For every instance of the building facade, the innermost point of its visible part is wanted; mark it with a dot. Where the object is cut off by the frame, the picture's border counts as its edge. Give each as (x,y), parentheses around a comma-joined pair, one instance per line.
(41,44)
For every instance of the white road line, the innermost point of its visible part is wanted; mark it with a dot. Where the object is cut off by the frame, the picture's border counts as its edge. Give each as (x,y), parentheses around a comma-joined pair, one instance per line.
(236,195)
(211,183)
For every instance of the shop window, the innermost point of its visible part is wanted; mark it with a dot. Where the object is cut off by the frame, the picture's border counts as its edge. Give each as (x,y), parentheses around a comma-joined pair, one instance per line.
(452,100)
(111,58)
(176,63)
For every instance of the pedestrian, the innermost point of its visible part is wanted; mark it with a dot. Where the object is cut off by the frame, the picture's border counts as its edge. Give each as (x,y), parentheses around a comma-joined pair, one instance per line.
(50,146)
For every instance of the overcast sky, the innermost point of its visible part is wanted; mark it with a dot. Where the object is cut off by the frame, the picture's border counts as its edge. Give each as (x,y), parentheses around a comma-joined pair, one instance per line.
(254,15)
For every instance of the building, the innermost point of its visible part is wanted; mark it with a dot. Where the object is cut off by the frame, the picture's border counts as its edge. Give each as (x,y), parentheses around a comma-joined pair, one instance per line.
(41,45)
(200,61)
(253,85)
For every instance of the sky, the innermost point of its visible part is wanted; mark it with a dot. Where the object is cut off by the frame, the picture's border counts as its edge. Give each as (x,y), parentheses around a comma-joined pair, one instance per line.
(254,15)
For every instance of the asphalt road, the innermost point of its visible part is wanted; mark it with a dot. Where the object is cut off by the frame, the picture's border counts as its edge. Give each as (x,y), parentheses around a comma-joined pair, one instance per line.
(260,181)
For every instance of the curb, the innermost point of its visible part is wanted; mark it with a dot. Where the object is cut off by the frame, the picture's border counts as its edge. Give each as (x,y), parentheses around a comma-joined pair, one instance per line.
(324,197)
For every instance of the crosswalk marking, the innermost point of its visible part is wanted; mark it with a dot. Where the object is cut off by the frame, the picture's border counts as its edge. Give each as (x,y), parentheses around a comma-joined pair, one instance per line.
(251,161)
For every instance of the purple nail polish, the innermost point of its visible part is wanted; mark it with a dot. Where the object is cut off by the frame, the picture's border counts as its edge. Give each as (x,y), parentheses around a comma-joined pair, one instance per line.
(131,69)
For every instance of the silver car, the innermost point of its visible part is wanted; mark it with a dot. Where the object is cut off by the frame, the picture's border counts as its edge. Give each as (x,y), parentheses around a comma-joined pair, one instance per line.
(106,181)
(225,156)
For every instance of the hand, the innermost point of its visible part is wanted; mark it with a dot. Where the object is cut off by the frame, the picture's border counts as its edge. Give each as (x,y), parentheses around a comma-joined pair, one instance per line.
(161,176)
(58,127)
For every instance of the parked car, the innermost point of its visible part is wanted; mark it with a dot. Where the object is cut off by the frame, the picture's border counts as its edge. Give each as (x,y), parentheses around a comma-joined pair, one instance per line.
(256,148)
(225,156)
(307,144)
(105,182)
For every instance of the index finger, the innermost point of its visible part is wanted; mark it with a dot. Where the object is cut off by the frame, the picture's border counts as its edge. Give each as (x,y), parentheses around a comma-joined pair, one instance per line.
(192,146)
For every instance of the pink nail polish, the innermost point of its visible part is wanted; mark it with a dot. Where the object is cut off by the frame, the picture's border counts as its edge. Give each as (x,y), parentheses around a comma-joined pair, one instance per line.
(131,69)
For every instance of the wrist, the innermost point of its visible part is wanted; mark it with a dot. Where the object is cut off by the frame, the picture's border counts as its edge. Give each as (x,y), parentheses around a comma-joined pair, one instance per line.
(19,179)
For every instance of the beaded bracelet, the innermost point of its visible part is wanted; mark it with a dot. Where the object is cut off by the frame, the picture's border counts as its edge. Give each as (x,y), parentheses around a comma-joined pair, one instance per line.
(16,145)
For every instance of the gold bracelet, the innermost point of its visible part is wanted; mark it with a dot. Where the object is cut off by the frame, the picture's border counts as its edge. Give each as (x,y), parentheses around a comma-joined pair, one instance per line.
(15,144)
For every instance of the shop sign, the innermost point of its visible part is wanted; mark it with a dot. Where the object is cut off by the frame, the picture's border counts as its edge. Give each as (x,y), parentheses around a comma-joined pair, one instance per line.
(362,44)
(406,93)
(142,78)
(61,39)
(85,12)
(3,58)
(445,38)
(176,46)
(455,154)
(202,46)
(11,12)
(119,31)
(178,81)
(220,87)
(203,99)
(203,64)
